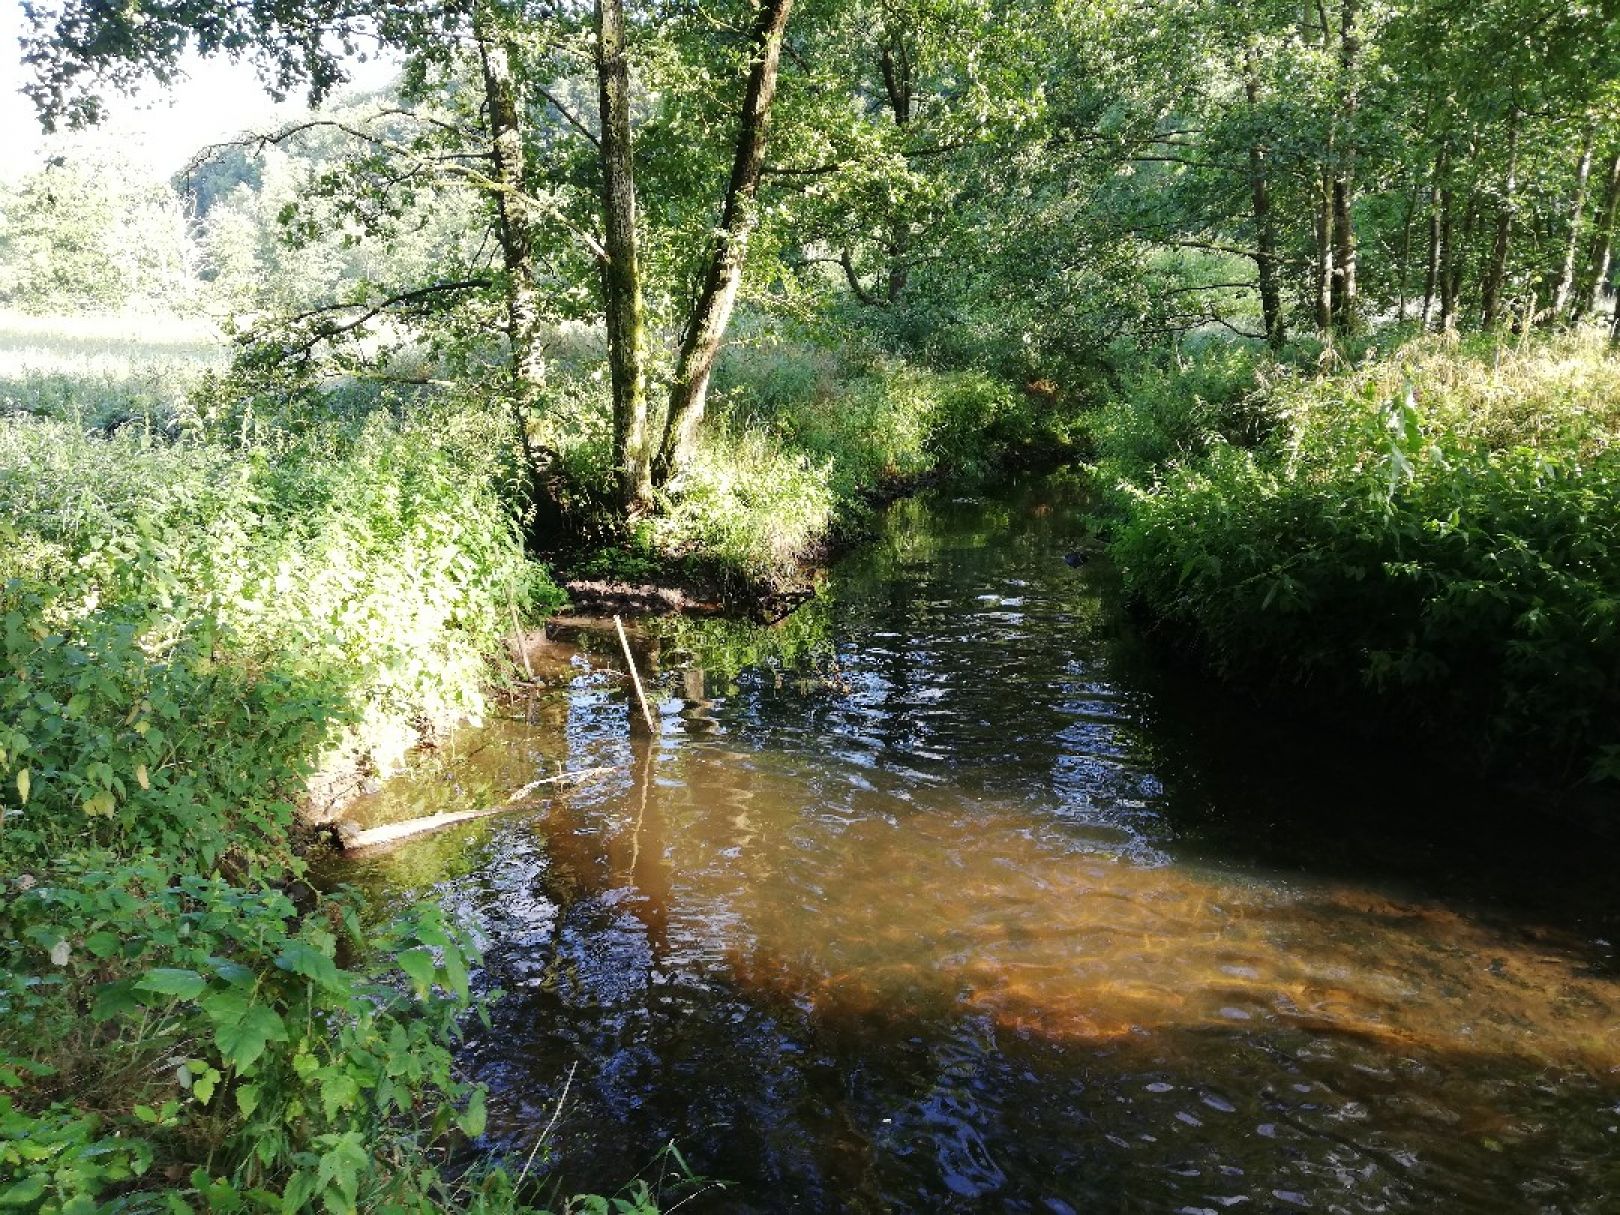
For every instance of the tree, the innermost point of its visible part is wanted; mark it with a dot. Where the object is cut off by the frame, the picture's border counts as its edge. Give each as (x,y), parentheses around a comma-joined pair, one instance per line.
(710,315)
(89,232)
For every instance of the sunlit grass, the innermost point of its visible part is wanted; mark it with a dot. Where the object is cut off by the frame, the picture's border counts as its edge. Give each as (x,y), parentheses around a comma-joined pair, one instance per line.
(1433,534)
(102,371)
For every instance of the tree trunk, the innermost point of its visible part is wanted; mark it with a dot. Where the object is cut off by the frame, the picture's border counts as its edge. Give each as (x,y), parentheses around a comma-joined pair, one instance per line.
(1265,231)
(1496,269)
(1431,270)
(1344,301)
(1449,260)
(516,234)
(1324,259)
(621,272)
(1614,292)
(1406,254)
(1464,243)
(896,65)
(706,327)
(1597,258)
(1577,211)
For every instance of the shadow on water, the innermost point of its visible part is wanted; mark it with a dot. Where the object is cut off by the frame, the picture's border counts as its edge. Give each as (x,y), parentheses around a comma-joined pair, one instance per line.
(944,897)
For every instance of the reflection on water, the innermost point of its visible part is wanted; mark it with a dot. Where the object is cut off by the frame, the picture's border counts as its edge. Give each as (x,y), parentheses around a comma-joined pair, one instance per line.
(937,898)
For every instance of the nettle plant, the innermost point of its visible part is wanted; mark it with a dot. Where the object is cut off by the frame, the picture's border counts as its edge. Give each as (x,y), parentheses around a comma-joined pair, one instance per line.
(154,1019)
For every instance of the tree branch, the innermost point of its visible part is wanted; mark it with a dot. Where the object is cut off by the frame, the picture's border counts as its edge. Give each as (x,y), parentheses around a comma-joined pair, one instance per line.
(861,293)
(463,172)
(325,333)
(568,115)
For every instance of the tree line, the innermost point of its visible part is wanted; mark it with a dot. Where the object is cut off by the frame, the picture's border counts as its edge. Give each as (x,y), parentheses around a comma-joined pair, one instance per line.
(1034,188)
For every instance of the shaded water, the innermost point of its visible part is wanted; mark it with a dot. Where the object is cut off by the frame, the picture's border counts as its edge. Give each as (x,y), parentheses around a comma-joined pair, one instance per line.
(942,897)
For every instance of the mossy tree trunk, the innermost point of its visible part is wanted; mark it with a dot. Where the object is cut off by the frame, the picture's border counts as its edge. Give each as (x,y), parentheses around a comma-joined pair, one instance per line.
(1431,271)
(1265,225)
(1345,302)
(515,231)
(1565,286)
(1601,249)
(1496,269)
(711,312)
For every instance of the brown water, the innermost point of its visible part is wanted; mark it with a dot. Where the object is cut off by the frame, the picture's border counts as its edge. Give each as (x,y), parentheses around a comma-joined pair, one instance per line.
(943,896)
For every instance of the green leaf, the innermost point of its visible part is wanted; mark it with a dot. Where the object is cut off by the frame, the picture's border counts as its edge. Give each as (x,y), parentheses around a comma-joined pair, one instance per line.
(232,972)
(226,1007)
(203,1087)
(247,1099)
(455,971)
(167,981)
(473,1120)
(243,1042)
(418,964)
(114,1000)
(299,1190)
(25,782)
(24,1193)
(301,958)
(338,1092)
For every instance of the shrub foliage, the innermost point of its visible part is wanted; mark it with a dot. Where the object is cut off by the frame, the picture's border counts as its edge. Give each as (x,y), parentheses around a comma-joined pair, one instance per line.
(1435,533)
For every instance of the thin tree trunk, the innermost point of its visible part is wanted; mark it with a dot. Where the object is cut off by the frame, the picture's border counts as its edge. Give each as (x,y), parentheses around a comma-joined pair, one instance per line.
(1465,241)
(1406,254)
(1597,258)
(1431,271)
(1577,212)
(711,314)
(621,273)
(1324,259)
(1449,260)
(516,233)
(1496,269)
(896,65)
(1265,231)
(1344,302)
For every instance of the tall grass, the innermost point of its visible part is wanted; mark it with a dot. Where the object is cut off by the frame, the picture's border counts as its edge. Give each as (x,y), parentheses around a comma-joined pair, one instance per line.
(800,443)
(102,372)
(1433,536)
(190,624)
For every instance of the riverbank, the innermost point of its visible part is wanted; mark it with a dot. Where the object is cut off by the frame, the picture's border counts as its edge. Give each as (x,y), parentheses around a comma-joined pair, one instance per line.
(945,891)
(195,626)
(224,615)
(802,448)
(1428,539)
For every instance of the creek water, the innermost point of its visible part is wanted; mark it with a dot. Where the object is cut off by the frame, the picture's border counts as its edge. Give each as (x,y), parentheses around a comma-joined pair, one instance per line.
(944,894)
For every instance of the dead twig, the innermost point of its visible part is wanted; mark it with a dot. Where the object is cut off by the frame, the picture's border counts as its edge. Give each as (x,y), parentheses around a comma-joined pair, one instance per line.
(635,676)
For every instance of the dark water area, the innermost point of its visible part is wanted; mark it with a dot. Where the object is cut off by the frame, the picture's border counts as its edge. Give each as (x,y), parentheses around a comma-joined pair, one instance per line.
(947,895)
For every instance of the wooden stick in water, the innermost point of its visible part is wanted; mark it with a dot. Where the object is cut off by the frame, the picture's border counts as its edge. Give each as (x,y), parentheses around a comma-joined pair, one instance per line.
(517,638)
(352,837)
(635,677)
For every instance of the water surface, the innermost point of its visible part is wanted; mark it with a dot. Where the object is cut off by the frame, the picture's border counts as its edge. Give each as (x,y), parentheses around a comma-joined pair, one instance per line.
(944,895)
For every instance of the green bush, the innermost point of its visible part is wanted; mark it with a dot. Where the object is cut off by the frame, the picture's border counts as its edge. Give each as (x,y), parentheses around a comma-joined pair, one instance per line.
(1436,534)
(1163,416)
(881,423)
(372,570)
(187,630)
(748,509)
(155,1018)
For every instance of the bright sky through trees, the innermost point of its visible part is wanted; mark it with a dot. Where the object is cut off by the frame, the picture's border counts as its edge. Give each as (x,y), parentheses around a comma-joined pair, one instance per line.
(158,128)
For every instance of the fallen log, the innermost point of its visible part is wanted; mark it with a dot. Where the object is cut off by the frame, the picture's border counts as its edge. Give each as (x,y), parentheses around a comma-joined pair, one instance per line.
(352,837)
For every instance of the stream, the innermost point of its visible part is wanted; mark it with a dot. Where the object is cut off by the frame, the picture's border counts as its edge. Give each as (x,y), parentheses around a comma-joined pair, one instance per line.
(947,894)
